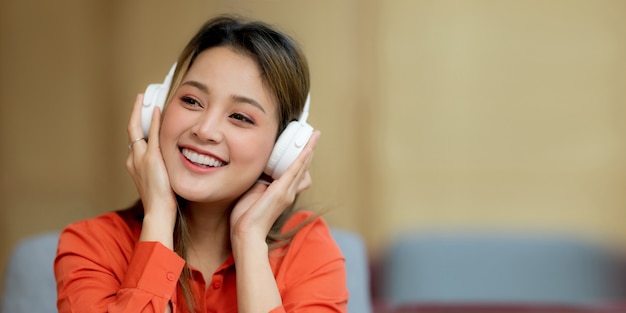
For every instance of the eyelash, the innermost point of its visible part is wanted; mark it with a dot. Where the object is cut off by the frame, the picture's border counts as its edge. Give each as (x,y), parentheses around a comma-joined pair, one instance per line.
(191,101)
(238,116)
(241,117)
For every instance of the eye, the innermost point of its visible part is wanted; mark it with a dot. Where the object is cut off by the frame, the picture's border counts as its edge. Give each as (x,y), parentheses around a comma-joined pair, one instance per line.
(189,101)
(241,117)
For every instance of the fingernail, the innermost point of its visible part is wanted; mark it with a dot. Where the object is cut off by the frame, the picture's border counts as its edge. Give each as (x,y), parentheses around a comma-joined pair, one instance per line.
(263,181)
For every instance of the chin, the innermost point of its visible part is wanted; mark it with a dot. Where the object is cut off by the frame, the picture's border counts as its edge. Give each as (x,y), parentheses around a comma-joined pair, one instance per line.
(195,196)
(208,194)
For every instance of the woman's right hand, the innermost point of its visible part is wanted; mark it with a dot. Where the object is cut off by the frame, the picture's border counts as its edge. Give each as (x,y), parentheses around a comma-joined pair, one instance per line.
(145,164)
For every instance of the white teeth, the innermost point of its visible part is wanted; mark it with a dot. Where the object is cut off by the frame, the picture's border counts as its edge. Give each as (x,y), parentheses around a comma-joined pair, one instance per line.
(202,159)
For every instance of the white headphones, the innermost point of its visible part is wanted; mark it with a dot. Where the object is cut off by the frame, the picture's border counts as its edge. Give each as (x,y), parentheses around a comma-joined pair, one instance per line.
(155,96)
(286,149)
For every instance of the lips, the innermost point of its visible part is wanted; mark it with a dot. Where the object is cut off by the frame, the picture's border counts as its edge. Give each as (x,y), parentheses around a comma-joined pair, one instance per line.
(201,159)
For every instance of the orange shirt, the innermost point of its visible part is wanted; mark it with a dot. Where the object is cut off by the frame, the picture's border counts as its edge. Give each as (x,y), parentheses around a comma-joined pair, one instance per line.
(102,267)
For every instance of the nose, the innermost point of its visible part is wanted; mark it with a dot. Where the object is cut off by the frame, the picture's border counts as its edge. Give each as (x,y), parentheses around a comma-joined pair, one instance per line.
(208,127)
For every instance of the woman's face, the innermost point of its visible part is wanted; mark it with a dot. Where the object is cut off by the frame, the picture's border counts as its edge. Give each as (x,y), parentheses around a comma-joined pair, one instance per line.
(219,129)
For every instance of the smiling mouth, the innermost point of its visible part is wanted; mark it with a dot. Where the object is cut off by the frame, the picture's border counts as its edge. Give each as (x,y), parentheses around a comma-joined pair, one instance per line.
(201,159)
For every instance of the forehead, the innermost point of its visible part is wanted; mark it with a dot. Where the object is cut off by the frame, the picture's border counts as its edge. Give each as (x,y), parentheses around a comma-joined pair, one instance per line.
(227,63)
(227,70)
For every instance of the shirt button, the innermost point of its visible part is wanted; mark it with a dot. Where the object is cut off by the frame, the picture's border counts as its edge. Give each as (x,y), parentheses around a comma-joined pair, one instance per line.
(171,276)
(217,285)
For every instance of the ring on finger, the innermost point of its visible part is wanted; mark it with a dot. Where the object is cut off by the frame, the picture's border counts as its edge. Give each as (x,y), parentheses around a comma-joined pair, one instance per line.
(134,141)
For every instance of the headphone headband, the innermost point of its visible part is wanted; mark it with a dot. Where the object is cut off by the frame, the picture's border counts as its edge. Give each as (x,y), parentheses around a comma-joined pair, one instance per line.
(305,111)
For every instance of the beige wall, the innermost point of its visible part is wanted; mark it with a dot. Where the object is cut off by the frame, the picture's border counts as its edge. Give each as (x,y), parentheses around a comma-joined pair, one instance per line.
(503,114)
(435,114)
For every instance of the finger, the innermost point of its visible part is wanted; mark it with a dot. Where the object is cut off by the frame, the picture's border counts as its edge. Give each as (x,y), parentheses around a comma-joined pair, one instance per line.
(130,165)
(258,187)
(297,178)
(134,124)
(305,183)
(253,194)
(313,140)
(302,161)
(304,168)
(154,129)
(302,180)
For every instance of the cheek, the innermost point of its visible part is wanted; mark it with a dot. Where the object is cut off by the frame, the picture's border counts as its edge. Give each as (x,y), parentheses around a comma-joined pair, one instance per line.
(257,150)
(269,149)
(269,142)
(168,136)
(168,124)
(263,149)
(261,146)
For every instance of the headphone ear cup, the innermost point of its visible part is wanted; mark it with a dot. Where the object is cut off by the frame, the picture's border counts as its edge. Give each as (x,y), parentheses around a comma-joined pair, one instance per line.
(155,96)
(150,101)
(287,148)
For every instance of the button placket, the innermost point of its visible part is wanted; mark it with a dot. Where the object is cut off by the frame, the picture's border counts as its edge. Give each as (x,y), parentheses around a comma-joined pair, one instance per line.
(217,281)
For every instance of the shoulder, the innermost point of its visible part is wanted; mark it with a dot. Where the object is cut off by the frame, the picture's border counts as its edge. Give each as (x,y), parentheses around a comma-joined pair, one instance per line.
(312,242)
(116,229)
(308,226)
(311,256)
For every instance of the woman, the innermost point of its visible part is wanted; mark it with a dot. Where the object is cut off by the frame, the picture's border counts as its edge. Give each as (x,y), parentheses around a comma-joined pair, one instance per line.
(206,235)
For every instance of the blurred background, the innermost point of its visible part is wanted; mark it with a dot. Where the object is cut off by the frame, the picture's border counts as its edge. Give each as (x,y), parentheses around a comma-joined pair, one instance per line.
(436,115)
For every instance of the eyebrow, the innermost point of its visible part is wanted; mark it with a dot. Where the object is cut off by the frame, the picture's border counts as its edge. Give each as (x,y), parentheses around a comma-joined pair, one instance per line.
(197,84)
(204,88)
(248,101)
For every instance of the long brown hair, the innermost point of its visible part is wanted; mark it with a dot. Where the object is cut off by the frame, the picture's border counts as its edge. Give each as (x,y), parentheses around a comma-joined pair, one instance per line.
(284,70)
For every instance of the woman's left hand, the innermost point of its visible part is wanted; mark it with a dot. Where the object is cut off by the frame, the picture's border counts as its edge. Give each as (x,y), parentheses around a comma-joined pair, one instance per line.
(257,210)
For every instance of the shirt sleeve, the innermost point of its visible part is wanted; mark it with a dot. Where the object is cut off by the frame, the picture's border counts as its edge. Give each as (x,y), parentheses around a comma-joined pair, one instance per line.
(97,270)
(279,309)
(312,277)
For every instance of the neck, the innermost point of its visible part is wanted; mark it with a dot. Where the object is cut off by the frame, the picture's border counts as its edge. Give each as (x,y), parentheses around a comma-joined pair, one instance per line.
(209,234)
